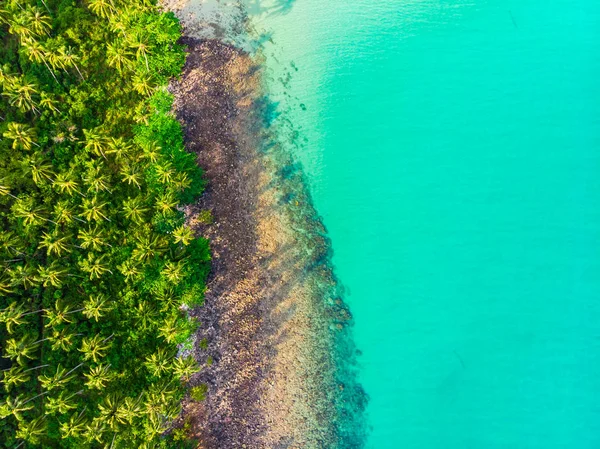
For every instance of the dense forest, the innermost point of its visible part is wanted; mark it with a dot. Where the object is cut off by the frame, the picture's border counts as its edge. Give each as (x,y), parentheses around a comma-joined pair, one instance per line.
(98,266)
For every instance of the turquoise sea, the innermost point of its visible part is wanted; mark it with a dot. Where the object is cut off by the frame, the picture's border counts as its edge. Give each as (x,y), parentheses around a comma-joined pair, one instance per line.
(453,150)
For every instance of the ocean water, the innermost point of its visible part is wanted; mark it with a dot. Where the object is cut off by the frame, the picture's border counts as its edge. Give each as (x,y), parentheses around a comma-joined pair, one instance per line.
(453,150)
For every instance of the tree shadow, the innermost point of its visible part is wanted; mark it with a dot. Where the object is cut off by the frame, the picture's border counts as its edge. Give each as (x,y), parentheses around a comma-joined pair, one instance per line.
(269,7)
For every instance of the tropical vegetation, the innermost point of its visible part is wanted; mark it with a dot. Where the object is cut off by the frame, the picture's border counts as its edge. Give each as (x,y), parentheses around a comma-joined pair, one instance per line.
(98,266)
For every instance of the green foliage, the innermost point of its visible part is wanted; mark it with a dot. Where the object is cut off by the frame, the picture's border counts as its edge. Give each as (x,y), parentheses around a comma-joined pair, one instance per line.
(98,263)
(198,393)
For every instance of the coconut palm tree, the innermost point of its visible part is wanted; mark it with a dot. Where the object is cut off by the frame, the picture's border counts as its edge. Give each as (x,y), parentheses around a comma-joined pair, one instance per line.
(131,175)
(158,362)
(165,203)
(74,426)
(94,348)
(134,209)
(118,56)
(65,183)
(55,243)
(62,339)
(14,315)
(93,209)
(21,95)
(36,52)
(60,313)
(109,408)
(94,142)
(165,172)
(52,275)
(103,8)
(93,238)
(95,266)
(98,377)
(184,367)
(61,404)
(183,234)
(15,406)
(96,306)
(174,271)
(22,349)
(170,330)
(22,136)
(32,430)
(59,379)
(24,275)
(142,48)
(130,269)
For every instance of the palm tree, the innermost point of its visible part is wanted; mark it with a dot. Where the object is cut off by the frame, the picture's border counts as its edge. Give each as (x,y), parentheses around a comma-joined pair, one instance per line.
(108,410)
(21,95)
(41,171)
(94,142)
(37,53)
(130,269)
(22,349)
(62,339)
(75,426)
(61,404)
(145,314)
(127,411)
(23,136)
(119,148)
(117,56)
(142,49)
(65,183)
(96,179)
(52,275)
(15,376)
(170,330)
(70,59)
(147,247)
(174,271)
(158,362)
(98,377)
(32,430)
(165,172)
(64,213)
(95,266)
(103,8)
(47,101)
(57,380)
(184,367)
(15,406)
(61,313)
(94,347)
(25,275)
(54,243)
(95,430)
(131,175)
(31,213)
(166,202)
(183,234)
(96,306)
(93,209)
(142,83)
(151,151)
(39,22)
(134,209)
(14,315)
(93,238)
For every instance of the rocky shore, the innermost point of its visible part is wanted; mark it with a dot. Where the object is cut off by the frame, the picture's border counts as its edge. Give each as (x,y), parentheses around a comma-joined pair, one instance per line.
(273,320)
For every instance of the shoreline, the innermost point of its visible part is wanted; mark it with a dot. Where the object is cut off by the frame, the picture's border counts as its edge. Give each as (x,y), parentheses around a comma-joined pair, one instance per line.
(274,319)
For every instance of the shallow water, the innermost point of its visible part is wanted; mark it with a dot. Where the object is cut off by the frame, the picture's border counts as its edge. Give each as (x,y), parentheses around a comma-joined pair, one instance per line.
(453,150)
